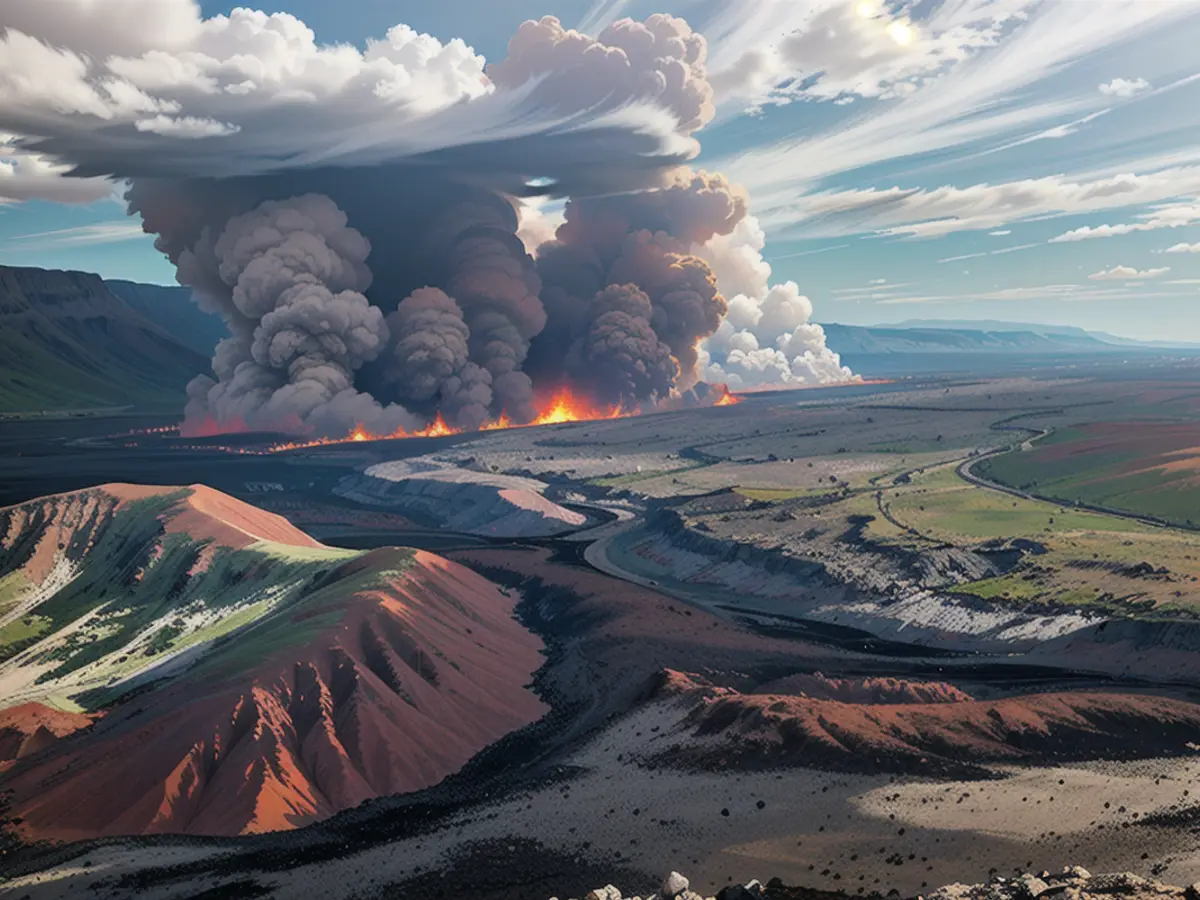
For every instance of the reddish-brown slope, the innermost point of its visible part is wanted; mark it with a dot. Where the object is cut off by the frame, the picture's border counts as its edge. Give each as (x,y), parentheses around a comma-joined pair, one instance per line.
(32,727)
(774,729)
(381,690)
(864,690)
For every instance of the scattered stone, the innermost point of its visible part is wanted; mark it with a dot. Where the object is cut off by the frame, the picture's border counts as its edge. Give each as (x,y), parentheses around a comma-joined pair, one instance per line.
(674,884)
(1073,883)
(1029,887)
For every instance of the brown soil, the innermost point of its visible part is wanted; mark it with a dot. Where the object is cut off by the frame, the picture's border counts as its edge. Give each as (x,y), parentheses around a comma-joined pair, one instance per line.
(864,690)
(940,737)
(617,636)
(32,727)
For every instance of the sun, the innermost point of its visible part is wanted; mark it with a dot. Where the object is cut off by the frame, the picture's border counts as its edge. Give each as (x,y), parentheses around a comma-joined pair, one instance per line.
(902,33)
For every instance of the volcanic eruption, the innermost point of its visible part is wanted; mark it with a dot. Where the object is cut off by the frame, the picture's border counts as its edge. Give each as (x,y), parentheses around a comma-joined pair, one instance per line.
(360,218)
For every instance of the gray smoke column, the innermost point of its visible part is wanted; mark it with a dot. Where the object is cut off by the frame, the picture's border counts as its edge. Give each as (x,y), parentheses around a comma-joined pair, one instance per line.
(291,275)
(642,239)
(494,281)
(621,356)
(428,359)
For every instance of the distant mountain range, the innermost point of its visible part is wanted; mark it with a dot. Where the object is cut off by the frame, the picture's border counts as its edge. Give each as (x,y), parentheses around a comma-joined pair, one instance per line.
(69,341)
(1066,331)
(1003,338)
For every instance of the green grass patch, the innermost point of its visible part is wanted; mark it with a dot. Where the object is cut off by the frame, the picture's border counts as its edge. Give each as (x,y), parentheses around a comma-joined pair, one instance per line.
(21,634)
(12,587)
(771,495)
(617,481)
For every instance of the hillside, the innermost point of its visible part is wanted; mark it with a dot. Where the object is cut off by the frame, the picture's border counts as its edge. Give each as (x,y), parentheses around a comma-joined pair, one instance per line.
(174,660)
(67,342)
(172,309)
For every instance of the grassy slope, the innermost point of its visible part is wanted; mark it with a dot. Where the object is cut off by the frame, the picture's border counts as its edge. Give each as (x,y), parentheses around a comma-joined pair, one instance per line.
(68,343)
(140,595)
(1086,551)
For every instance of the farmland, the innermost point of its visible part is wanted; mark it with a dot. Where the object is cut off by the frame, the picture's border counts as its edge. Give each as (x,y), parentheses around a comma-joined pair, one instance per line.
(1149,468)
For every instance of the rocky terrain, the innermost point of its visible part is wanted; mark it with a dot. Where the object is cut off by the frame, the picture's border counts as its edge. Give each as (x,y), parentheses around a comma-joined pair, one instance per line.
(461,499)
(1072,883)
(892,725)
(174,660)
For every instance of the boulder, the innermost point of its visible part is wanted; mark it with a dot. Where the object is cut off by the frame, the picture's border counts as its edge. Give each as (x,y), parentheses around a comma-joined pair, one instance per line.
(672,885)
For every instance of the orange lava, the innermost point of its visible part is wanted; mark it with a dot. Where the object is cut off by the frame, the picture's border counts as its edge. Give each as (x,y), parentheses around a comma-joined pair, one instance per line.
(564,406)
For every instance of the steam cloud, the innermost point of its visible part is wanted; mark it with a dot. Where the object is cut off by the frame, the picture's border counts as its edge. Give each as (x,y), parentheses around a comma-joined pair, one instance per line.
(374,271)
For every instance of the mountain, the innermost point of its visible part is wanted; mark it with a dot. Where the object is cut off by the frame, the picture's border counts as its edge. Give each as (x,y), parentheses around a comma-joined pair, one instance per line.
(858,339)
(175,660)
(990,325)
(172,309)
(1068,331)
(68,342)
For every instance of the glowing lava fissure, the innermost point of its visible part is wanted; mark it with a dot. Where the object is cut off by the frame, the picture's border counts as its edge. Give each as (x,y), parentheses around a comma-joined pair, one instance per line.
(562,407)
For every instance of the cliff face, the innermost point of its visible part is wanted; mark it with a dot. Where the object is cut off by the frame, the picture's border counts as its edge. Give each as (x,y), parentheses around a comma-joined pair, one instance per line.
(66,341)
(232,675)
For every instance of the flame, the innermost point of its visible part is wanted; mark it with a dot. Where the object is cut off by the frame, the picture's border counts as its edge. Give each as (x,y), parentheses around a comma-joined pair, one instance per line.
(564,406)
(436,428)
(727,398)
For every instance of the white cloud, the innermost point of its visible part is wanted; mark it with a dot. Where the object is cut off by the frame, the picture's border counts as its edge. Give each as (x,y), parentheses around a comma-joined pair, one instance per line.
(1183,248)
(116,93)
(96,233)
(767,336)
(1126,273)
(186,126)
(537,222)
(912,212)
(1171,215)
(989,98)
(26,176)
(1123,87)
(838,50)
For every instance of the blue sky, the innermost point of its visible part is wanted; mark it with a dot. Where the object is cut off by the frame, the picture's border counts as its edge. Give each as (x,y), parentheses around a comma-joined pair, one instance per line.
(1025,160)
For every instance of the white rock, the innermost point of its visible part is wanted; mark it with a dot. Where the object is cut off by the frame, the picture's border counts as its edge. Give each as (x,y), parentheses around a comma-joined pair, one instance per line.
(674,884)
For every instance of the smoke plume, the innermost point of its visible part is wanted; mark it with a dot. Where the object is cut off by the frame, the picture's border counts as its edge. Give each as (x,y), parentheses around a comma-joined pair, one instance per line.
(374,271)
(291,276)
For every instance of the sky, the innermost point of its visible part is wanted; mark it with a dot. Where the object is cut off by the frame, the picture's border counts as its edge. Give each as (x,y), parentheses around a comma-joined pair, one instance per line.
(1020,160)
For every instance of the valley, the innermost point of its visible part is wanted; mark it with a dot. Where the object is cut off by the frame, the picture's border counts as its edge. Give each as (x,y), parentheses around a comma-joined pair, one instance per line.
(809,607)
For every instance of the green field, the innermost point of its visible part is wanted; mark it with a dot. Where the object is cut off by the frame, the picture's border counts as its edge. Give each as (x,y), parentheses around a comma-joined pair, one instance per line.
(1089,557)
(1147,468)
